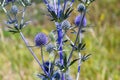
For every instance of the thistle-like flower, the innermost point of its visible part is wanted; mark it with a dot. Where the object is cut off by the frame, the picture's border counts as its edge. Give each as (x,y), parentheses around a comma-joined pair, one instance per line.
(57,75)
(78,20)
(7,1)
(81,7)
(40,39)
(50,47)
(46,66)
(14,9)
(66,25)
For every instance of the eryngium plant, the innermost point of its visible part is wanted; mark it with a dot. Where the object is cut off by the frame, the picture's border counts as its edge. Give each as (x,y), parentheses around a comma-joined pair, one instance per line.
(57,67)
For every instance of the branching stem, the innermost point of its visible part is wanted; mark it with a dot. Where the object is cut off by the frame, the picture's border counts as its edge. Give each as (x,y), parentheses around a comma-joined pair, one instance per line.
(80,27)
(31,51)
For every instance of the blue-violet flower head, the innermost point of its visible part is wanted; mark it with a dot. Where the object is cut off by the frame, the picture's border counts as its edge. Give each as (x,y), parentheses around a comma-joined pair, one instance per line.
(81,7)
(57,75)
(50,47)
(14,9)
(7,1)
(46,66)
(78,20)
(66,24)
(40,39)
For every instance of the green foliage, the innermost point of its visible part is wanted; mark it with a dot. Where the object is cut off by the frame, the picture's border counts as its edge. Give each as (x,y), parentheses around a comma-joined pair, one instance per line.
(64,15)
(66,65)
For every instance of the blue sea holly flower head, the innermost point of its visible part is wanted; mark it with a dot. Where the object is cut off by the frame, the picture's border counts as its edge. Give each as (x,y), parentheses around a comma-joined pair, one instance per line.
(7,1)
(14,9)
(57,75)
(78,20)
(50,47)
(81,7)
(66,25)
(47,65)
(40,39)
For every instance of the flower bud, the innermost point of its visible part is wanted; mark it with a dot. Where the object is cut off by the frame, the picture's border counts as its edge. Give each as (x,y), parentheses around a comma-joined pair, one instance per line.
(14,9)
(50,47)
(57,75)
(46,66)
(81,7)
(66,24)
(7,1)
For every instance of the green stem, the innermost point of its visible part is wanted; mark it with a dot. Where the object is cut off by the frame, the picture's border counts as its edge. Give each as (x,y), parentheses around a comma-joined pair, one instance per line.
(31,51)
(80,27)
(42,54)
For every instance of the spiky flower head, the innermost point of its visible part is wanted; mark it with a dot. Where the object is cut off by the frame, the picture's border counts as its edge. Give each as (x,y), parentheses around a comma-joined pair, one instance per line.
(14,9)
(57,75)
(78,20)
(7,1)
(40,39)
(66,24)
(50,47)
(48,66)
(81,7)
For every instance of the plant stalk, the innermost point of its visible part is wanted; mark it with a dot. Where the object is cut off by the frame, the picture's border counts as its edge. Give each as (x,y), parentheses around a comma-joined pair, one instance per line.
(80,27)
(31,51)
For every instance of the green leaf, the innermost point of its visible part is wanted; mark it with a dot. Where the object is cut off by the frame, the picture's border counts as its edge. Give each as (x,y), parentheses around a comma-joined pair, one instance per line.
(26,2)
(67,13)
(17,29)
(73,31)
(21,26)
(73,46)
(81,46)
(65,41)
(65,60)
(44,75)
(10,27)
(67,10)
(53,14)
(13,31)
(52,19)
(72,62)
(85,57)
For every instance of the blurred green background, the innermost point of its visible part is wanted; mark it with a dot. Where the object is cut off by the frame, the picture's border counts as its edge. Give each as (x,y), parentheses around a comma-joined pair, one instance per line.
(102,39)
